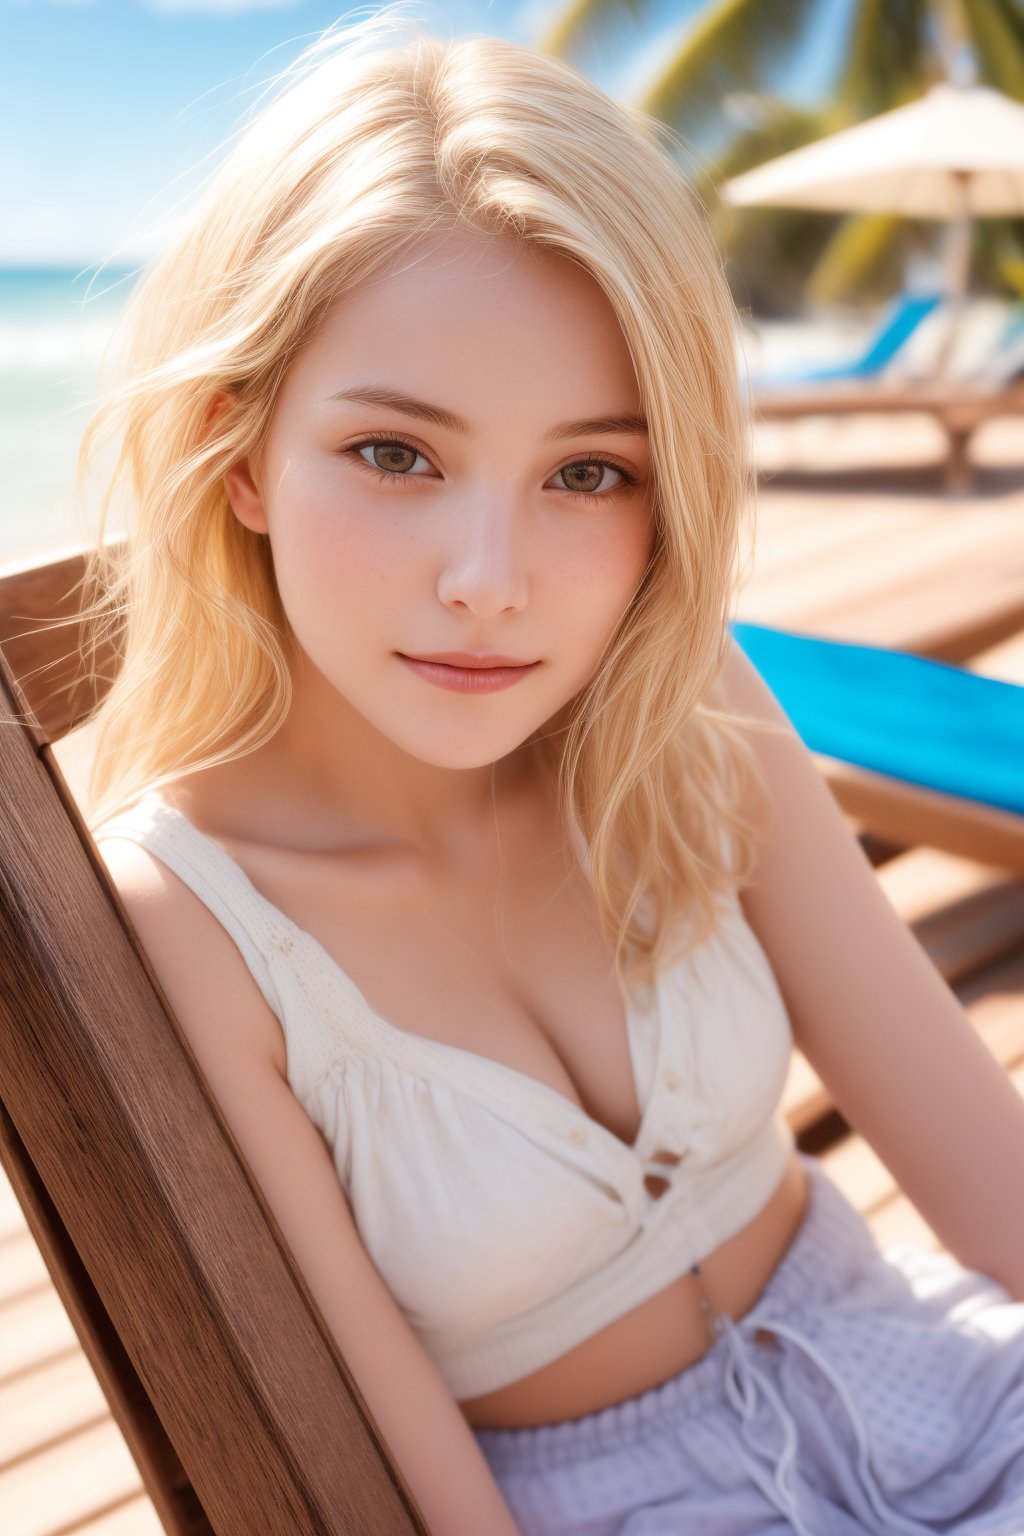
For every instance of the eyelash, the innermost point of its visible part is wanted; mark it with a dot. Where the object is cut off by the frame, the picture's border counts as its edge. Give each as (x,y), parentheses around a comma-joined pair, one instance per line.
(388,476)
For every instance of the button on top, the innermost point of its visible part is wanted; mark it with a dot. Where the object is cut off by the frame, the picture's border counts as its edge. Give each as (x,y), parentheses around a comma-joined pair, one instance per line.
(671,1079)
(578,1134)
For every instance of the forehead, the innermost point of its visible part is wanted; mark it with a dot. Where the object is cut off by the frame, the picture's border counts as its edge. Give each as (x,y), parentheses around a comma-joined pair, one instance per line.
(464,263)
(459,314)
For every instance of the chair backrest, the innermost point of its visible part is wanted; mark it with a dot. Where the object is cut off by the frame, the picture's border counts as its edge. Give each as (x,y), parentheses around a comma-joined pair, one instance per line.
(1006,361)
(900,321)
(219,1368)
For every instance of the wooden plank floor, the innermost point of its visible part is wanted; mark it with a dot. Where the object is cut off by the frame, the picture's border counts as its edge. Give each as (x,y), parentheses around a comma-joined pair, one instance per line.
(874,554)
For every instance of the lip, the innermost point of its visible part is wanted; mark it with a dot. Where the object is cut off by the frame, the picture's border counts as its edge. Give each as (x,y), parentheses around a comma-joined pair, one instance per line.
(479,676)
(470,659)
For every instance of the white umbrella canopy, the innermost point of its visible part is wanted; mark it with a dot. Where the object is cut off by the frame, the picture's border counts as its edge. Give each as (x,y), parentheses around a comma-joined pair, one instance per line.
(955,153)
(956,150)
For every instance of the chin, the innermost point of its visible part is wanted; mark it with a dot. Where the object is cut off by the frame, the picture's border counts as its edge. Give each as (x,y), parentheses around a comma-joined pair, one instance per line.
(477,750)
(466,760)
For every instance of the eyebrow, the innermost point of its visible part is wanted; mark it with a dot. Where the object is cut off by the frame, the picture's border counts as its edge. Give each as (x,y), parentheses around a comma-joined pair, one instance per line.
(379,394)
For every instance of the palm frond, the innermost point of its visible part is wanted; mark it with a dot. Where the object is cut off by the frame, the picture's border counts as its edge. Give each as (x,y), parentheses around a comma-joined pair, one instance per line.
(851,259)
(732,45)
(578,18)
(889,56)
(783,127)
(997,32)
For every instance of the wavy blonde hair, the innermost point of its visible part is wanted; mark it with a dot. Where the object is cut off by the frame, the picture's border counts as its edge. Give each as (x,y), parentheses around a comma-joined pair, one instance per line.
(372,142)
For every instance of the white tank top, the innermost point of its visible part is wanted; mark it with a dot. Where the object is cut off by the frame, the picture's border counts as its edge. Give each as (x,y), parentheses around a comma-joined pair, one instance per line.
(507,1223)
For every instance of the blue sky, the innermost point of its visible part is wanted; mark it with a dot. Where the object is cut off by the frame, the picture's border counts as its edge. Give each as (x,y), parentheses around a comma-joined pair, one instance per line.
(109,109)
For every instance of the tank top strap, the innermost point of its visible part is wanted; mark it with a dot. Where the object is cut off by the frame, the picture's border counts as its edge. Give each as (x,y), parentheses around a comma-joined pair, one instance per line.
(212,874)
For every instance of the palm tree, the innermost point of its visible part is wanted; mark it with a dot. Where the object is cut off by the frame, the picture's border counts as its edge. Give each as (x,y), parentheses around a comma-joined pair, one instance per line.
(715,78)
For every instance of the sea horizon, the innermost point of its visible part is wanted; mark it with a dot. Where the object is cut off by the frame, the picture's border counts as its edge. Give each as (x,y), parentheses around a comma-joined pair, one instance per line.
(57,320)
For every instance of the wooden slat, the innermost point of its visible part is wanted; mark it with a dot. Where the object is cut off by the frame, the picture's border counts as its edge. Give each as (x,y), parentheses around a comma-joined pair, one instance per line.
(21,1268)
(135,1226)
(12,1217)
(36,1327)
(805,1099)
(960,400)
(960,407)
(84,1474)
(1004,661)
(45,1405)
(908,576)
(136,1517)
(910,813)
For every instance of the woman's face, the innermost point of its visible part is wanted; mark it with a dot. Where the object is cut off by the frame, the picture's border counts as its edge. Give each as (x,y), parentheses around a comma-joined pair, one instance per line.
(456,462)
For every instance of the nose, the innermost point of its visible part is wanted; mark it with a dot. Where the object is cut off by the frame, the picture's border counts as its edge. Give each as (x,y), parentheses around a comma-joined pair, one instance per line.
(484,558)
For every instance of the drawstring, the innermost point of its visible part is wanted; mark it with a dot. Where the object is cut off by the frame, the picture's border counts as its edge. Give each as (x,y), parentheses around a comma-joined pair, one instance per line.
(742,1381)
(745,1383)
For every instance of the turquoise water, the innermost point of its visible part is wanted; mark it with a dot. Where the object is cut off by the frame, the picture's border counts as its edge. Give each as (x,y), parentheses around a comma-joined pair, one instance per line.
(55,327)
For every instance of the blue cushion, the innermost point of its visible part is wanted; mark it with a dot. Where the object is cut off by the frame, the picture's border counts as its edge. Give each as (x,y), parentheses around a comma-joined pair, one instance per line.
(919,720)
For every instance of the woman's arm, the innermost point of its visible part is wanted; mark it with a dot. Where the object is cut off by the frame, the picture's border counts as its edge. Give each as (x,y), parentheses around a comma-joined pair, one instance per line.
(884,1032)
(238,1043)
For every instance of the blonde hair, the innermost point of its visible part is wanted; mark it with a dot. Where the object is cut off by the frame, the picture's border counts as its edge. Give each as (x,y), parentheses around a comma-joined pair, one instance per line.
(364,150)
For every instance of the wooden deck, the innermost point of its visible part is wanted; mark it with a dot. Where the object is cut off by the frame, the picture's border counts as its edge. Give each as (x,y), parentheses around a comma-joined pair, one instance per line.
(868,554)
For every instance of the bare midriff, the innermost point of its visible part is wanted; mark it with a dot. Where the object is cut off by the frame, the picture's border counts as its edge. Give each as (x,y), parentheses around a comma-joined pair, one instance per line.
(659,1338)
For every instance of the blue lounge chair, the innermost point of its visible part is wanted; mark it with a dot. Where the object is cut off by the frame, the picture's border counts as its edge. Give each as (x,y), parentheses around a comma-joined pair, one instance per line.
(897,325)
(1004,360)
(920,750)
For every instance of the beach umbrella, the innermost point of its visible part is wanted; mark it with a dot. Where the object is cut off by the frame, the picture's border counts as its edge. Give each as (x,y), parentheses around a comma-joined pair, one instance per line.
(953,154)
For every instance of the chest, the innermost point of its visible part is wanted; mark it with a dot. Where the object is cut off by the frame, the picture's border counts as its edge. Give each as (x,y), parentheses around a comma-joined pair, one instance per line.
(509,963)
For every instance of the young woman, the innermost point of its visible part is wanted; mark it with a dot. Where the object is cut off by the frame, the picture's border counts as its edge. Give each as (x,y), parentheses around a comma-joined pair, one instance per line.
(487,880)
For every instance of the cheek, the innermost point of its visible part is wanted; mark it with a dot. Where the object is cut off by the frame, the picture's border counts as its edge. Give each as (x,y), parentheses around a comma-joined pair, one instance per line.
(337,550)
(602,565)
(592,578)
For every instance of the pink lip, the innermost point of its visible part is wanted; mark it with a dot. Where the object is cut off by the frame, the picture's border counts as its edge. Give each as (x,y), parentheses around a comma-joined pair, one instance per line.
(480,675)
(471,659)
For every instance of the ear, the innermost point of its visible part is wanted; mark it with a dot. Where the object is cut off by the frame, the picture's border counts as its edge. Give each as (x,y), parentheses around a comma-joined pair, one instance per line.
(242,492)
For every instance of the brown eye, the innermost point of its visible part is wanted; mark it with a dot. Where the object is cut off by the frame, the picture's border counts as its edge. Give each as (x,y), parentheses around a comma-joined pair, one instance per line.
(396,458)
(587,475)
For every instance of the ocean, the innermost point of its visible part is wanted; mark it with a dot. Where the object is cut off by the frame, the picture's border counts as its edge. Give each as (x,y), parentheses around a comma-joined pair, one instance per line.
(55,327)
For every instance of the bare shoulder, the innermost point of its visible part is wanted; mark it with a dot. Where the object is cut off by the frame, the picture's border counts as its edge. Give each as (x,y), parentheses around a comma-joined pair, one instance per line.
(204,977)
(238,1044)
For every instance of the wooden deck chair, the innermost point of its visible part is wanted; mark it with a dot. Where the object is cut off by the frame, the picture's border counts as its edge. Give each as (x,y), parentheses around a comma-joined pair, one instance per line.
(219,1369)
(901,320)
(960,406)
(222,1375)
(917,750)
